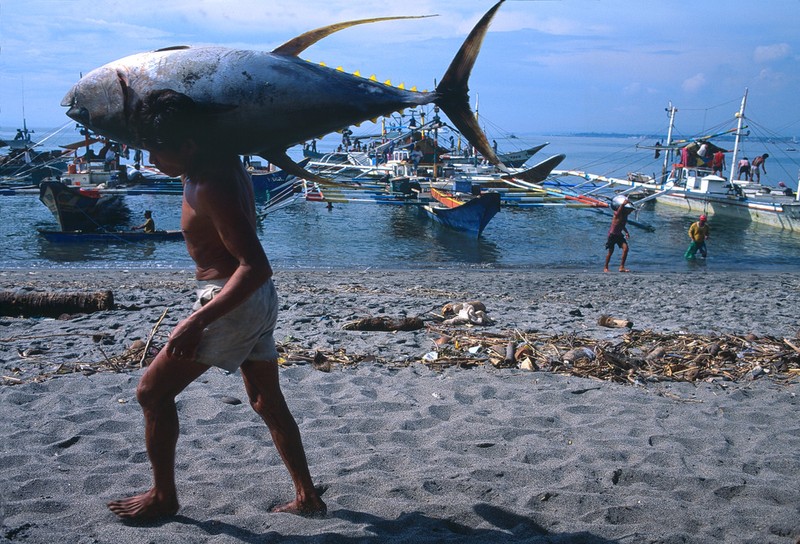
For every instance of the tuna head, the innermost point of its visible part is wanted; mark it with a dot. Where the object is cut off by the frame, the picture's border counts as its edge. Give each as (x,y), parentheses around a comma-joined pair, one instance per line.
(103,101)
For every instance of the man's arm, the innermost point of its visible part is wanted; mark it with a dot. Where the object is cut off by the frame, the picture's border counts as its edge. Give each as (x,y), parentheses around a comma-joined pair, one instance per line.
(229,213)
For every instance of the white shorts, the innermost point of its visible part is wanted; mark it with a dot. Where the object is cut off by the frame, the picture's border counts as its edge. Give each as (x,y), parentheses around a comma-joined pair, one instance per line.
(244,333)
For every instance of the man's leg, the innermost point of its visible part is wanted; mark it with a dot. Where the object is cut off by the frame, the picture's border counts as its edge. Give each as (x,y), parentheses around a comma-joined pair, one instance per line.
(608,258)
(263,388)
(163,380)
(691,250)
(624,256)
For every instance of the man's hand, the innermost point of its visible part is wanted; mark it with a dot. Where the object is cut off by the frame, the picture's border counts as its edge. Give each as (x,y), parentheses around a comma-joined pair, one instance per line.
(184,339)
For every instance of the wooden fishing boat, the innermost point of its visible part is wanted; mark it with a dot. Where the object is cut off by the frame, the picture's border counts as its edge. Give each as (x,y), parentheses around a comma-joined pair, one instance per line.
(688,182)
(25,163)
(470,216)
(79,209)
(696,189)
(58,236)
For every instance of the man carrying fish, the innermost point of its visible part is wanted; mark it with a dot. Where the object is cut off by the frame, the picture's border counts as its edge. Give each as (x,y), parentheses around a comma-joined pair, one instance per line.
(170,102)
(234,317)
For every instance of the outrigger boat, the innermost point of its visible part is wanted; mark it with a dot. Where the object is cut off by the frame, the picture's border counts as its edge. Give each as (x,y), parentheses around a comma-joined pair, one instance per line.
(128,236)
(695,188)
(80,209)
(470,216)
(25,163)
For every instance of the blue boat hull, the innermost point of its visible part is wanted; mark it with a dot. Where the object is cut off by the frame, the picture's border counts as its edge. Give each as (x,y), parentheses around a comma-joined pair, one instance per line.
(470,217)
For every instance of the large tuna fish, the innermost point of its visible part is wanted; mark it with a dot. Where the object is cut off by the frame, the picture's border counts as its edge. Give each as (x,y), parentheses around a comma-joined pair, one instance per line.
(267,102)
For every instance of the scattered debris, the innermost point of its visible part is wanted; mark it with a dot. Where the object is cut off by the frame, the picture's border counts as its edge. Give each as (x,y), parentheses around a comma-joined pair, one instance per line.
(127,361)
(613,322)
(466,313)
(636,357)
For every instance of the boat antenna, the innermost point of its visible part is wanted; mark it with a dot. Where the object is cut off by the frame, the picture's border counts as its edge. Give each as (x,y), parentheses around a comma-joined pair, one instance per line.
(740,122)
(24,120)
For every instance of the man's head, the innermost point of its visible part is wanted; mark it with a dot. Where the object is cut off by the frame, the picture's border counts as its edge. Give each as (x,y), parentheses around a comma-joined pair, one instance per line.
(703,218)
(170,127)
(166,120)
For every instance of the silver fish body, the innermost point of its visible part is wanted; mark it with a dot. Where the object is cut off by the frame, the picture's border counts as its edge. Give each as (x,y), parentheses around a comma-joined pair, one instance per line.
(265,102)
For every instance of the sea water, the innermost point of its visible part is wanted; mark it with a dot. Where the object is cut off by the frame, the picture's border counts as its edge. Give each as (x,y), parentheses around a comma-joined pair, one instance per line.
(367,236)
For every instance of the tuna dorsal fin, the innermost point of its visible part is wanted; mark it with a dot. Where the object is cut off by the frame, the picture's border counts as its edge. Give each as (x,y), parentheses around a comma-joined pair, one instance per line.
(454,86)
(297,45)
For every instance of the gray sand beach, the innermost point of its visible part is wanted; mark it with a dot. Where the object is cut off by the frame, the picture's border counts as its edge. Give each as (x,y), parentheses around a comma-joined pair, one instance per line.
(408,451)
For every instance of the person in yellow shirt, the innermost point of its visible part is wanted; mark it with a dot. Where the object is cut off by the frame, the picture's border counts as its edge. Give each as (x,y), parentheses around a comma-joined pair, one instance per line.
(699,232)
(149,225)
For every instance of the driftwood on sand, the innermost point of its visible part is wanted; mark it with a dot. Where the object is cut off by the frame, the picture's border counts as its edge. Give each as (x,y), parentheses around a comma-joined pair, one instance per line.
(385,324)
(53,304)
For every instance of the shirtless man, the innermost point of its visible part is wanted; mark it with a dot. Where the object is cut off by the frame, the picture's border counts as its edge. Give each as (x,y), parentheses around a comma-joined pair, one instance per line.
(618,226)
(233,319)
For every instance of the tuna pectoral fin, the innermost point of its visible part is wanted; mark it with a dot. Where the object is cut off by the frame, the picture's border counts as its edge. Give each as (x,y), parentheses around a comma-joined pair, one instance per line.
(282,161)
(453,89)
(297,45)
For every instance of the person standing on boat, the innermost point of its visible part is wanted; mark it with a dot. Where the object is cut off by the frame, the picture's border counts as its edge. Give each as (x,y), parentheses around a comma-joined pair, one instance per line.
(615,234)
(416,158)
(234,317)
(744,169)
(702,154)
(691,154)
(699,232)
(759,164)
(718,163)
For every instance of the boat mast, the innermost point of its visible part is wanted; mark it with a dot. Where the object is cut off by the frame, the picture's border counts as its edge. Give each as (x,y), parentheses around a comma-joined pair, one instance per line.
(671,110)
(739,126)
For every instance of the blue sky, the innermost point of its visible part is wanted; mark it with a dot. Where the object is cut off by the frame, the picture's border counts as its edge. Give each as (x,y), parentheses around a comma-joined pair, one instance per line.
(551,66)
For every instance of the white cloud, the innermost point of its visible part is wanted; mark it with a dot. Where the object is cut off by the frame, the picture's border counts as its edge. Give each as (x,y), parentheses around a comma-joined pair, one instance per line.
(767,53)
(694,83)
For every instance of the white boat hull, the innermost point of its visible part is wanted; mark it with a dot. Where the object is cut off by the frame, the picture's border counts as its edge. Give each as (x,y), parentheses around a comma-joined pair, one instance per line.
(783,215)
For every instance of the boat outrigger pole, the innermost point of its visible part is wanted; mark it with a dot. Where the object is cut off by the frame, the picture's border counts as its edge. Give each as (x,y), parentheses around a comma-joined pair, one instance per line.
(739,126)
(671,110)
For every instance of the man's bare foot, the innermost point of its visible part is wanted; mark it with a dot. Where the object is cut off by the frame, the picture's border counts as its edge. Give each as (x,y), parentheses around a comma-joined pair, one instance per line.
(146,506)
(624,270)
(310,508)
(605,269)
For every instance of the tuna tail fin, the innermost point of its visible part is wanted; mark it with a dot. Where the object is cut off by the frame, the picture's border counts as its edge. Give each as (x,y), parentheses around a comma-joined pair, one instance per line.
(453,90)
(297,45)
